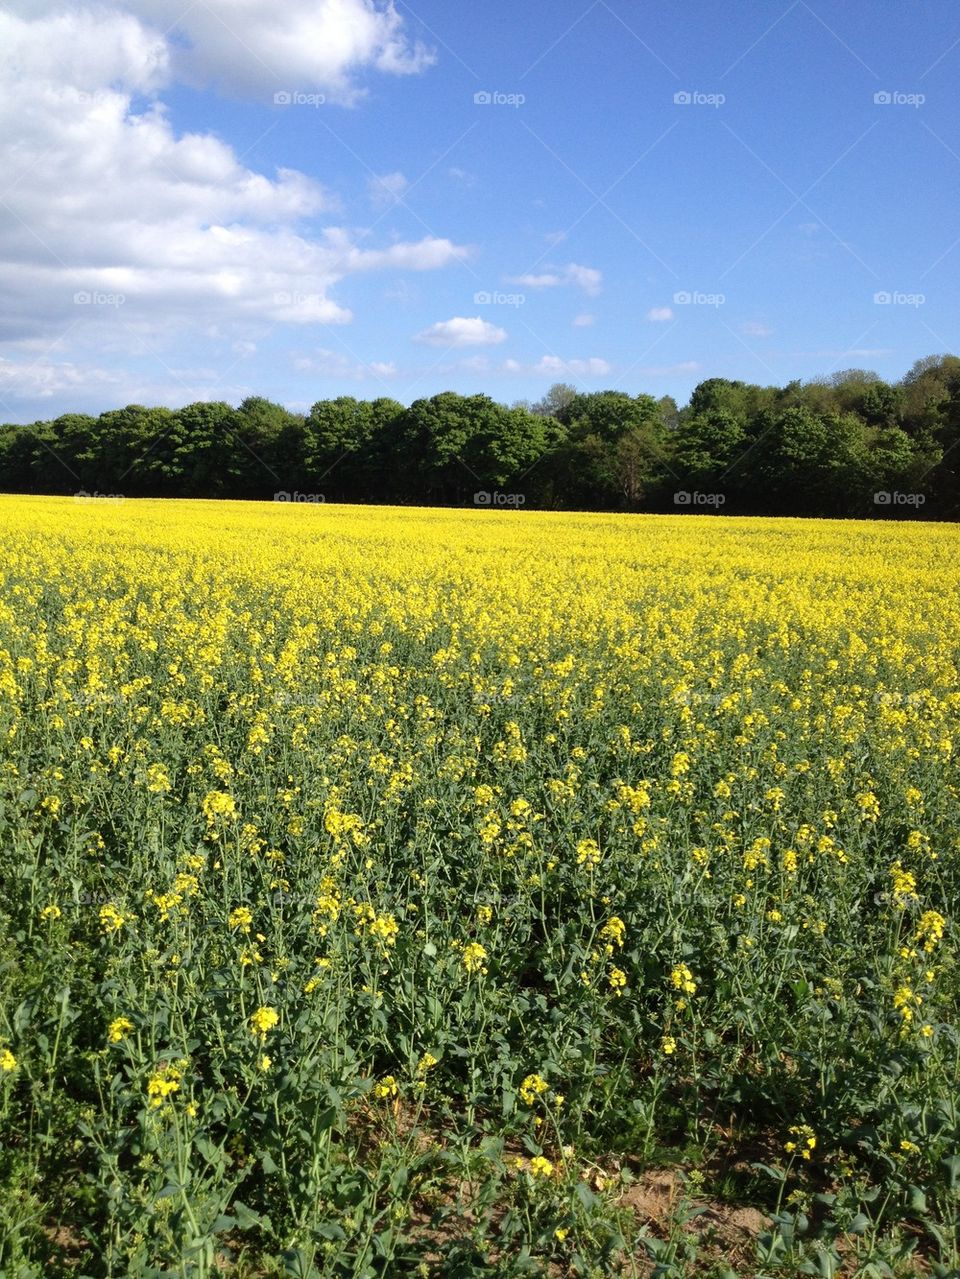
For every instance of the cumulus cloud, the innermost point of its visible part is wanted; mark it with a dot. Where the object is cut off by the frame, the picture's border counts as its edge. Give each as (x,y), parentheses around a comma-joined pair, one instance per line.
(461,331)
(258,47)
(113,220)
(660,314)
(585,277)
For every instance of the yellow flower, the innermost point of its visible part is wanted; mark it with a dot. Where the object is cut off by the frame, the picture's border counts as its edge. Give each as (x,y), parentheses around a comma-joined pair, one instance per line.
(263,1021)
(588,853)
(905,1000)
(158,780)
(681,978)
(7,1060)
(903,886)
(426,1062)
(118,1029)
(532,1088)
(930,929)
(265,1062)
(242,918)
(112,919)
(164,1081)
(560,1233)
(387,1087)
(614,930)
(51,912)
(617,979)
(473,956)
(540,1167)
(668,1044)
(218,803)
(806,1141)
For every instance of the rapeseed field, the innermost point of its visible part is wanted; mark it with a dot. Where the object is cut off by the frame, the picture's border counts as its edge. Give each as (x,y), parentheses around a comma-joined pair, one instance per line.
(385,890)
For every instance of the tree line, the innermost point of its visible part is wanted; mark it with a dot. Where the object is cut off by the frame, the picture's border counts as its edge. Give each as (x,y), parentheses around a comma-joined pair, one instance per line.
(847,445)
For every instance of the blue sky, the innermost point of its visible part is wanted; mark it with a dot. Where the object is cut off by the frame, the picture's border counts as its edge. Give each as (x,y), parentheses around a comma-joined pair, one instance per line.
(306,200)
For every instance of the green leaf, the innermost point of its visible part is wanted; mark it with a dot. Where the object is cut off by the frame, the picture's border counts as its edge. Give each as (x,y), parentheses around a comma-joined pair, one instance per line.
(585,1194)
(952,1165)
(246,1217)
(916,1200)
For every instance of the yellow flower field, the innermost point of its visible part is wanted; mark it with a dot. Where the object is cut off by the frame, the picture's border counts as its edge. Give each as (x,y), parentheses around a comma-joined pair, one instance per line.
(382,889)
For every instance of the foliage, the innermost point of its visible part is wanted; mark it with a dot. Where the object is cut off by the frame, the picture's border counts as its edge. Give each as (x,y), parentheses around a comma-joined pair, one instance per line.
(825,448)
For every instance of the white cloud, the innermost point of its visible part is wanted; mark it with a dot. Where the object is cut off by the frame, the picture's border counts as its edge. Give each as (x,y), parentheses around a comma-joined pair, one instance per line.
(258,47)
(42,378)
(388,189)
(585,277)
(592,367)
(753,329)
(108,200)
(90,384)
(584,321)
(553,366)
(461,331)
(660,314)
(530,281)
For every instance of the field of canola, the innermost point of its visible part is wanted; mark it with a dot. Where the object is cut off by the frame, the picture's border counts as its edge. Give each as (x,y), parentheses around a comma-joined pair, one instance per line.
(382,891)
